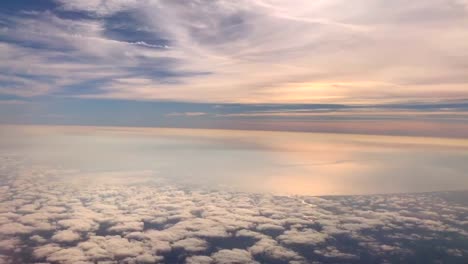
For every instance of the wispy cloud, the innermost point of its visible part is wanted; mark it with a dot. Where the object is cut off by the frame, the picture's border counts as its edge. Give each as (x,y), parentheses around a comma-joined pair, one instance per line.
(187,114)
(239,51)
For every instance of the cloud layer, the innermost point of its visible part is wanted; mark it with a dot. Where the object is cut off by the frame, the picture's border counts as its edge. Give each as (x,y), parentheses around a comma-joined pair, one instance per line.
(47,218)
(262,51)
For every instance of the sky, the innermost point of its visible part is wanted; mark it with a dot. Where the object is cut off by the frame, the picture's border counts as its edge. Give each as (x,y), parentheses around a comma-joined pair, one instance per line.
(367,66)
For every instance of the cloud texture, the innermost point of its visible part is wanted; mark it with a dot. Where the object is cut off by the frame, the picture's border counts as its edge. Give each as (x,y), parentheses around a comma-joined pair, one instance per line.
(159,222)
(262,51)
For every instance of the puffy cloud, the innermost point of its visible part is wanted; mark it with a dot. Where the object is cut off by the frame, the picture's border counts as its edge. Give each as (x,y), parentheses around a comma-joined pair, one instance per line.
(136,236)
(67,255)
(269,227)
(29,208)
(66,236)
(226,256)
(9,244)
(46,250)
(216,231)
(148,258)
(36,218)
(14,228)
(98,247)
(199,260)
(38,239)
(250,233)
(53,209)
(191,244)
(306,237)
(95,251)
(215,226)
(269,248)
(78,224)
(127,227)
(165,235)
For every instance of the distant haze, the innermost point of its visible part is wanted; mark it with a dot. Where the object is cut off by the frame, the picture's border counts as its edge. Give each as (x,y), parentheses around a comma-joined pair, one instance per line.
(276,162)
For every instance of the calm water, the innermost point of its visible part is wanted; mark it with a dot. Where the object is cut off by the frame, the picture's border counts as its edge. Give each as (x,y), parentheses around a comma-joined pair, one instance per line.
(277,162)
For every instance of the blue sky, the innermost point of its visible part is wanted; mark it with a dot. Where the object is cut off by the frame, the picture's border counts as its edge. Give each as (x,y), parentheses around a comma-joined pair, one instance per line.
(334,66)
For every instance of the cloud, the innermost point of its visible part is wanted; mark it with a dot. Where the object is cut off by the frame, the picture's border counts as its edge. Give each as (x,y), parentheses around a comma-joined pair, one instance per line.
(244,51)
(111,247)
(67,255)
(14,228)
(232,256)
(9,244)
(455,252)
(38,239)
(66,236)
(269,227)
(197,225)
(199,260)
(332,252)
(187,114)
(147,258)
(98,7)
(127,227)
(80,225)
(306,237)
(191,244)
(270,249)
(46,250)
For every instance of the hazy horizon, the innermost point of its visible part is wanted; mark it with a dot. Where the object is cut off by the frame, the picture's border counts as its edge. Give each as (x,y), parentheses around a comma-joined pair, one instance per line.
(255,161)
